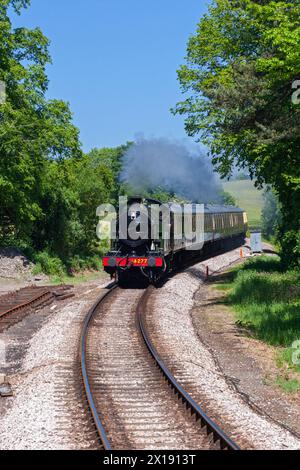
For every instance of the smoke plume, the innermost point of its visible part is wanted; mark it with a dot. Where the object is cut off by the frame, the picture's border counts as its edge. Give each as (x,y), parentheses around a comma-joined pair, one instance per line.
(173,167)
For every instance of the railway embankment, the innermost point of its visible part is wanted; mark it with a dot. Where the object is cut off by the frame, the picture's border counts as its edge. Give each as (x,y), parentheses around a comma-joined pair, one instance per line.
(193,355)
(40,362)
(248,317)
(16,271)
(217,362)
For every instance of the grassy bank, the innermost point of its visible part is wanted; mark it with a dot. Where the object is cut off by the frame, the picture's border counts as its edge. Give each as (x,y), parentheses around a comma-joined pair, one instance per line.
(266,301)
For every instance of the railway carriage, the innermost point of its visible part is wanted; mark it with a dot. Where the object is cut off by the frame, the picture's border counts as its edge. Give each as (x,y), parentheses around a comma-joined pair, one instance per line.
(153,256)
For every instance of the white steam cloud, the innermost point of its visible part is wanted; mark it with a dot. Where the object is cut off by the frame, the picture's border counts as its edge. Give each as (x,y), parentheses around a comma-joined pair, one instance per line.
(171,166)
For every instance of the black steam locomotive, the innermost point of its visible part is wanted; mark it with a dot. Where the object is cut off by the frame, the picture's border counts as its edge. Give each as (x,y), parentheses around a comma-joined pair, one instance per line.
(150,249)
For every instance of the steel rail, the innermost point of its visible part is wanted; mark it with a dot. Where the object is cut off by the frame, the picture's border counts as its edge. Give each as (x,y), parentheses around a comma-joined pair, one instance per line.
(46,294)
(211,426)
(83,363)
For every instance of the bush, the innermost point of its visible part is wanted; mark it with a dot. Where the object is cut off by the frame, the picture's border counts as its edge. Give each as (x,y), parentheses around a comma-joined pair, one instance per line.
(290,248)
(77,264)
(48,264)
(96,262)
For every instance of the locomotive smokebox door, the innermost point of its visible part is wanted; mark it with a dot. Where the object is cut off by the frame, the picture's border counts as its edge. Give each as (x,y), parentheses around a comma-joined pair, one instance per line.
(256,241)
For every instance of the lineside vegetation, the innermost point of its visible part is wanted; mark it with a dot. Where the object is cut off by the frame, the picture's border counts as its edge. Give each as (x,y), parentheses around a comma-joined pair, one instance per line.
(266,301)
(239,79)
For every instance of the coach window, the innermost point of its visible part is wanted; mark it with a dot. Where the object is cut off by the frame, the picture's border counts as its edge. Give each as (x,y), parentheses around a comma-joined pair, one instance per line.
(208,222)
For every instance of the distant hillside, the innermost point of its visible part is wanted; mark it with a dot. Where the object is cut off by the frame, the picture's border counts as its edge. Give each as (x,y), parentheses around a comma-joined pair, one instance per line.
(248,198)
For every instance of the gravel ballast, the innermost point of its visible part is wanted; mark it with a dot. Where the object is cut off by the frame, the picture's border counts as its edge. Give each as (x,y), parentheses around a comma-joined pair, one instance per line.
(46,411)
(195,368)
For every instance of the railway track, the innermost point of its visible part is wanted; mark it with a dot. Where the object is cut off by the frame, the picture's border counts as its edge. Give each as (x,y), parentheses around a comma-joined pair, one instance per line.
(17,304)
(135,401)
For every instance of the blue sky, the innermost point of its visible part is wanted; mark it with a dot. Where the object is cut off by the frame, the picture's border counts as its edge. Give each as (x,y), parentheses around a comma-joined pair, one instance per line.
(115,61)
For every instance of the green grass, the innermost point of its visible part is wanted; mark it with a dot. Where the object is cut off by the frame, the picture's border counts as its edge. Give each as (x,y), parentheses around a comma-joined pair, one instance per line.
(266,301)
(224,286)
(288,385)
(248,198)
(75,280)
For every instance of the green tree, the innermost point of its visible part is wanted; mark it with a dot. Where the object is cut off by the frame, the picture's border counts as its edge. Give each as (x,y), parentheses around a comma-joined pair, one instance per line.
(110,158)
(271,214)
(228,199)
(49,189)
(71,191)
(33,130)
(241,65)
(96,184)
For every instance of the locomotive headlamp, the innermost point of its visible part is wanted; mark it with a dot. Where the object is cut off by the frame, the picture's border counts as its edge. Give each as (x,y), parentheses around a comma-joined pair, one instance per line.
(151,262)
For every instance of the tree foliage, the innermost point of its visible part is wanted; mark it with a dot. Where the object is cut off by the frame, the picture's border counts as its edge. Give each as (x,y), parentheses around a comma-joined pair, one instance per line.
(271,214)
(240,68)
(228,199)
(33,130)
(49,189)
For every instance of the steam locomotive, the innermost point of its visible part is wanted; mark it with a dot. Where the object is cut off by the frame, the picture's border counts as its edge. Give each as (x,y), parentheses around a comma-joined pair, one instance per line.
(150,249)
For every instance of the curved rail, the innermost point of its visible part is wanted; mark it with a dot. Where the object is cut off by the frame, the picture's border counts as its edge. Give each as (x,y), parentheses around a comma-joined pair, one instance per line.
(87,388)
(212,428)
